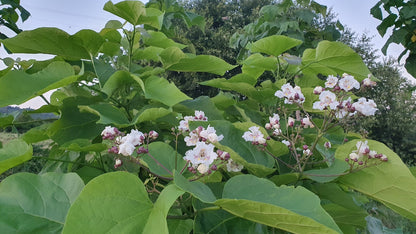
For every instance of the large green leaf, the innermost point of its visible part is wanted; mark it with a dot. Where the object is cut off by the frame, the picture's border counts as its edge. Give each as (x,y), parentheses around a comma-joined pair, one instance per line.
(117,202)
(328,174)
(108,114)
(389,182)
(89,39)
(17,87)
(256,64)
(14,153)
(166,156)
(161,90)
(220,221)
(157,219)
(151,114)
(202,63)
(196,188)
(128,10)
(49,41)
(120,79)
(292,209)
(32,203)
(159,39)
(153,17)
(74,124)
(334,58)
(274,45)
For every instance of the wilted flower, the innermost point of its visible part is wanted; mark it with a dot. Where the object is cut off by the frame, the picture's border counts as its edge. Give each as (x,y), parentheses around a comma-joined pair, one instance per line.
(233,166)
(287,143)
(118,163)
(290,122)
(306,122)
(202,168)
(367,82)
(327,145)
(109,133)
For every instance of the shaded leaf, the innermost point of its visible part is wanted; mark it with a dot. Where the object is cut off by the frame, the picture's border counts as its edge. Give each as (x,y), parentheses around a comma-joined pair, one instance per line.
(161,90)
(292,209)
(196,188)
(202,63)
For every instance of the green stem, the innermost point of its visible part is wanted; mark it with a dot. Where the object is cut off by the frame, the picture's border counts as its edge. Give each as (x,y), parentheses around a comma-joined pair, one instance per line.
(211,208)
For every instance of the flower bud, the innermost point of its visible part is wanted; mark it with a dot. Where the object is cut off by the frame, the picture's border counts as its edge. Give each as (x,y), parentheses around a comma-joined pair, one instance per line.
(214,167)
(153,135)
(118,163)
(318,90)
(360,163)
(327,145)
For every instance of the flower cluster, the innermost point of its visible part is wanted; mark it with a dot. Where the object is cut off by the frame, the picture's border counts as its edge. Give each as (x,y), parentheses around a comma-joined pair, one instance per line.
(184,124)
(203,158)
(290,94)
(254,135)
(126,145)
(332,97)
(363,154)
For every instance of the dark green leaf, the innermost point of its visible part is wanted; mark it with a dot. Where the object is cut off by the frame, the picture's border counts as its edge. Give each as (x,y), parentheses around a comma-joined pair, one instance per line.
(202,63)
(196,188)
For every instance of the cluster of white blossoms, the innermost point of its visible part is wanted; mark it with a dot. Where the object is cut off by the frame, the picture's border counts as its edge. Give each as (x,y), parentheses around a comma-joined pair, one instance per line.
(254,135)
(290,94)
(329,98)
(126,144)
(184,124)
(363,153)
(203,158)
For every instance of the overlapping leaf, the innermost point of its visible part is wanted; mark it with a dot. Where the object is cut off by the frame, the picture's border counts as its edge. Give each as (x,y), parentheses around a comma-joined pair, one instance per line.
(14,153)
(389,182)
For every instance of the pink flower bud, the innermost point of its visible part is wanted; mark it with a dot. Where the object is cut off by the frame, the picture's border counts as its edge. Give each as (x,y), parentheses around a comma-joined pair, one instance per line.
(305,147)
(360,163)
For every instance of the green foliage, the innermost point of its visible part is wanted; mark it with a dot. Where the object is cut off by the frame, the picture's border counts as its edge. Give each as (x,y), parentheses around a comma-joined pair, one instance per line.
(9,16)
(401,19)
(24,196)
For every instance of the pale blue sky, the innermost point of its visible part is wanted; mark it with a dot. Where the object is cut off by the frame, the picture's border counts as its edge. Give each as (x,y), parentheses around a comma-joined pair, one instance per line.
(72,16)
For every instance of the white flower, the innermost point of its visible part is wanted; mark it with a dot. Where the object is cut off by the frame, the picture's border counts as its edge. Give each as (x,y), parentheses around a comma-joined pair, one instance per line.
(202,168)
(345,110)
(365,107)
(326,99)
(354,156)
(307,152)
(277,132)
(290,121)
(327,145)
(108,130)
(254,135)
(372,154)
(118,163)
(331,81)
(274,120)
(291,95)
(126,148)
(348,82)
(135,137)
(210,135)
(318,90)
(383,157)
(362,147)
(287,143)
(233,166)
(306,122)
(192,139)
(200,115)
(202,153)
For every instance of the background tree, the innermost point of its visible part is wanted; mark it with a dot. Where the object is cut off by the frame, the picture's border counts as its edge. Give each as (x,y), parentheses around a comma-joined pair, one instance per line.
(9,15)
(401,18)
